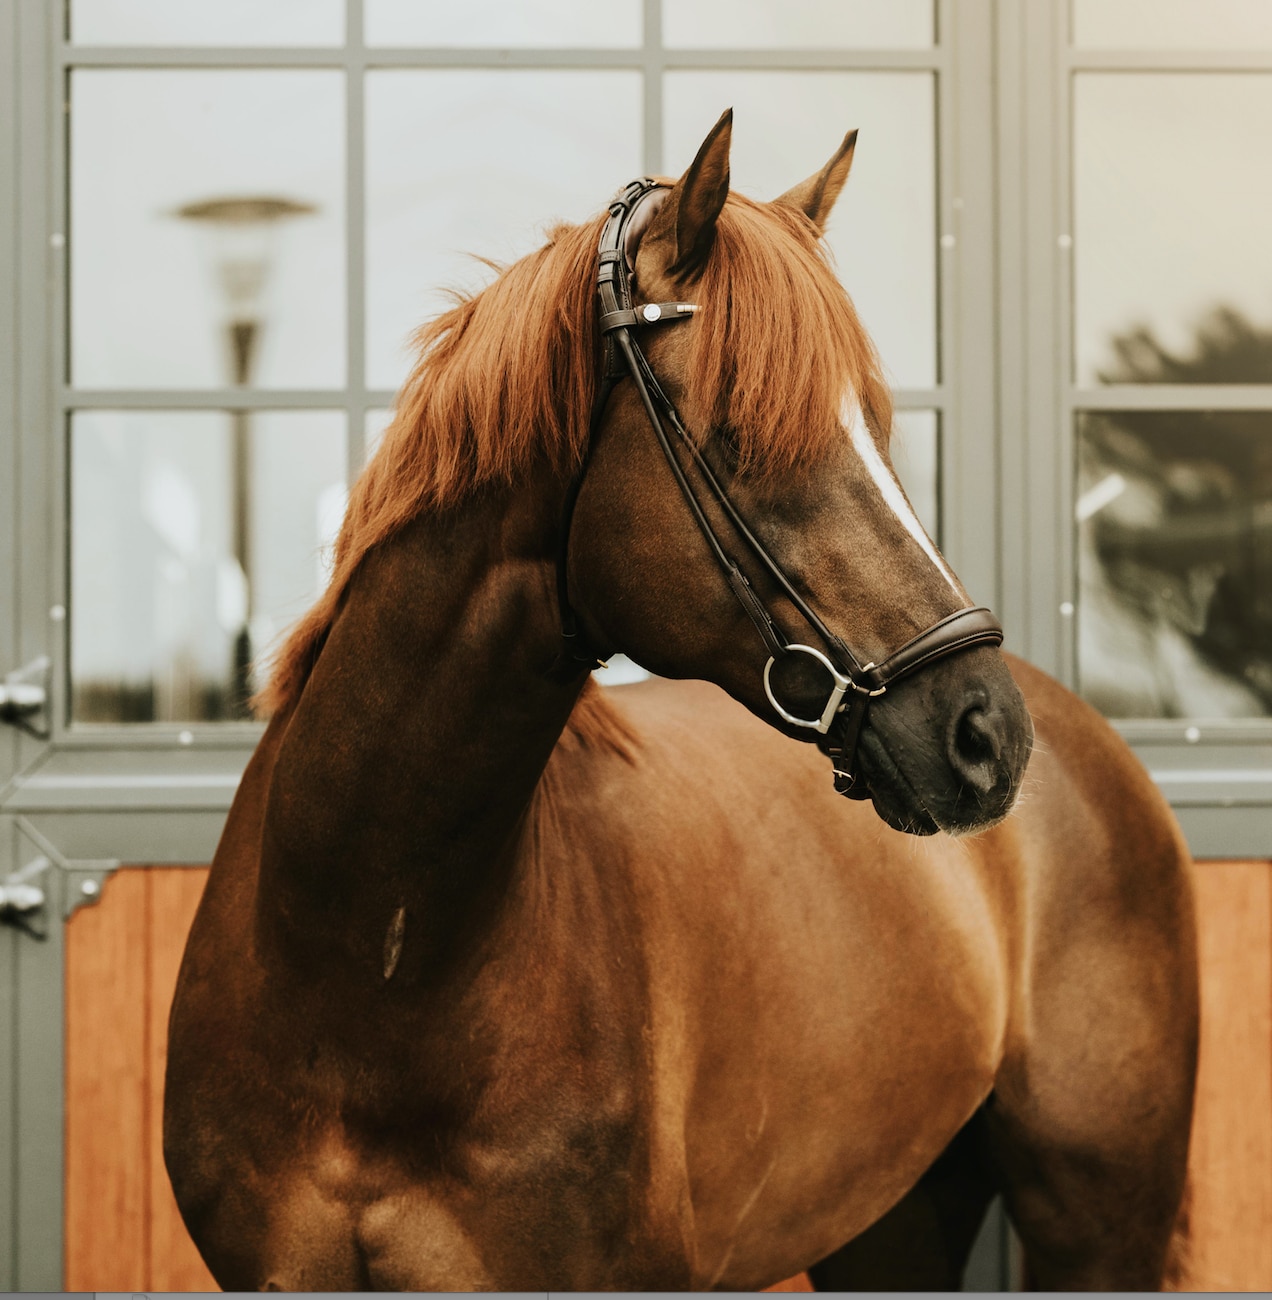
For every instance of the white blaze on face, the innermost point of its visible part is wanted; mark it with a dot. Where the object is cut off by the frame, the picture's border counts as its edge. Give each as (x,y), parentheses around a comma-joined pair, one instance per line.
(889,489)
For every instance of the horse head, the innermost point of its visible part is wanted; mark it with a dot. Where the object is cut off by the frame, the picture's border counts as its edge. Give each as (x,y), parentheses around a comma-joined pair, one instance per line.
(786,421)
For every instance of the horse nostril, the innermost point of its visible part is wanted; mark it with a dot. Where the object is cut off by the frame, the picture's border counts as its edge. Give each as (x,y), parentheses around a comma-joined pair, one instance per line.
(976,750)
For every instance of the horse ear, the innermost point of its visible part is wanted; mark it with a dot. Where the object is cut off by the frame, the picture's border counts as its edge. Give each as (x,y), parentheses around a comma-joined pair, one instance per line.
(685,223)
(816,196)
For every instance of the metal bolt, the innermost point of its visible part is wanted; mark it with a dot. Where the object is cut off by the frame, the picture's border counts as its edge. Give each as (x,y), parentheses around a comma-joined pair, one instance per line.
(1192,735)
(90,889)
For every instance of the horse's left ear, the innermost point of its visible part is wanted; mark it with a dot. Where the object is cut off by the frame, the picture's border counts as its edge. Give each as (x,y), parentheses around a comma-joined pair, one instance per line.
(816,196)
(684,226)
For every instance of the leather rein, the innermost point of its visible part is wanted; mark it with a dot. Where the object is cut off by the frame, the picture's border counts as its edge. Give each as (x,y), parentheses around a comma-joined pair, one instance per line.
(852,684)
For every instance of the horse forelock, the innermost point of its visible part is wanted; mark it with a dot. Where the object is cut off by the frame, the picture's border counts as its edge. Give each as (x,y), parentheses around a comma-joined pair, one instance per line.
(777,343)
(507,377)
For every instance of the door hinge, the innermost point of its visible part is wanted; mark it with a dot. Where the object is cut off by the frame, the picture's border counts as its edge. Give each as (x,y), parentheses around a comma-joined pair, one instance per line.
(50,884)
(24,697)
(23,900)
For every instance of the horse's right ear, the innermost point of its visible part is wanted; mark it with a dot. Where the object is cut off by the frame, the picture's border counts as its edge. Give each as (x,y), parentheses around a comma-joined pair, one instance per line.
(816,196)
(684,226)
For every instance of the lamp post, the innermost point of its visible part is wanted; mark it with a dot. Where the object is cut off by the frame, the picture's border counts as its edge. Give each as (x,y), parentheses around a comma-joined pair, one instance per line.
(242,233)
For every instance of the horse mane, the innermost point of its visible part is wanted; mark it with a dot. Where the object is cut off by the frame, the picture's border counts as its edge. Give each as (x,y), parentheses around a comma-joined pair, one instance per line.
(597,723)
(506,378)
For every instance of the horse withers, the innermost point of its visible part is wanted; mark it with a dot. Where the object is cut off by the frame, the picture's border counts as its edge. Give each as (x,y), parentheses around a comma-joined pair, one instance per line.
(504,982)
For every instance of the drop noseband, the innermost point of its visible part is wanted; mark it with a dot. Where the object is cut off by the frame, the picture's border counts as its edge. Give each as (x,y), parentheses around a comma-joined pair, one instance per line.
(853,684)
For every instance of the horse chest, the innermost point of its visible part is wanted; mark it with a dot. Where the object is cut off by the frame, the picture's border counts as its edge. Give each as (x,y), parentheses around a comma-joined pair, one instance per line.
(561,1202)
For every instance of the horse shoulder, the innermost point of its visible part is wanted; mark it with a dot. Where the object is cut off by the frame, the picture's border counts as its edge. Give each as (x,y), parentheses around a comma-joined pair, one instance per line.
(788,946)
(1104,1027)
(1088,803)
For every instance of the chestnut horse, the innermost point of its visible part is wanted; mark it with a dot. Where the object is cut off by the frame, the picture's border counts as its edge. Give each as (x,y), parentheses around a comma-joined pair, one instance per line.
(501,981)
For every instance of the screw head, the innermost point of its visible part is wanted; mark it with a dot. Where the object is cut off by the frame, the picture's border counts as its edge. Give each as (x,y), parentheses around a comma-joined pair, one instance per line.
(90,889)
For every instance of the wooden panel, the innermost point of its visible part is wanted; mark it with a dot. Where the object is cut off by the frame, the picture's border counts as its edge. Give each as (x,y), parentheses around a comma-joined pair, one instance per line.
(175,1265)
(798,1283)
(1230,1227)
(123,1232)
(107,1098)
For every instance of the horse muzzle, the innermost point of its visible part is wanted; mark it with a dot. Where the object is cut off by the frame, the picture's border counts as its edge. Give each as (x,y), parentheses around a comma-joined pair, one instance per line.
(946,749)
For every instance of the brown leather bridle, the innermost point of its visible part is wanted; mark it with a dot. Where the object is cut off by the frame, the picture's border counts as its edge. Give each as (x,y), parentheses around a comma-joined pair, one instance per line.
(853,684)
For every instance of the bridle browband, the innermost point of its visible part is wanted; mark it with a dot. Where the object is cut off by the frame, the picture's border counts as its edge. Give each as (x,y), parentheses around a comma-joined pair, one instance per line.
(854,684)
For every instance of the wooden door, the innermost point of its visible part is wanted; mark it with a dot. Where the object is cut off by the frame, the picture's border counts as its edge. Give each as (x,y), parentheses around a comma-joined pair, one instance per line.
(1229,1245)
(123,1232)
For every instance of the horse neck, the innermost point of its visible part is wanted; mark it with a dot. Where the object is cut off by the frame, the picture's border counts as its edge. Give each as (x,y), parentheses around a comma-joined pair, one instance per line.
(403,776)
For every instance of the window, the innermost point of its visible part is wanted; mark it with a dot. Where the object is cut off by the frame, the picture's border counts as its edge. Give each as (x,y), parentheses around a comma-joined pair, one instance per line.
(1136,390)
(266,200)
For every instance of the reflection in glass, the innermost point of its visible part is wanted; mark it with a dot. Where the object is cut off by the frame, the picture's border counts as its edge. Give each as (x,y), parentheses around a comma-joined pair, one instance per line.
(1172,24)
(883,229)
(508,23)
(1170,215)
(162,604)
(149,304)
(197,22)
(916,456)
(797,24)
(479,162)
(1174,516)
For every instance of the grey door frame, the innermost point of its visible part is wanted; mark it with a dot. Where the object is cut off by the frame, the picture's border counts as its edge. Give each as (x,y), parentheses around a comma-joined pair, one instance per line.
(30,971)
(1217,776)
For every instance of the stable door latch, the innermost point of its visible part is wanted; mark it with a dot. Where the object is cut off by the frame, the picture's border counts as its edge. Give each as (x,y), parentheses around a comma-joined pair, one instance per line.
(24,698)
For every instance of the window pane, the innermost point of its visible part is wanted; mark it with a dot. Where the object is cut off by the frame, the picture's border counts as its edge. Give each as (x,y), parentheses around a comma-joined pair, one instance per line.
(479,162)
(196,22)
(1174,518)
(180,580)
(1171,230)
(376,425)
(883,230)
(1172,24)
(916,457)
(254,161)
(508,23)
(798,24)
